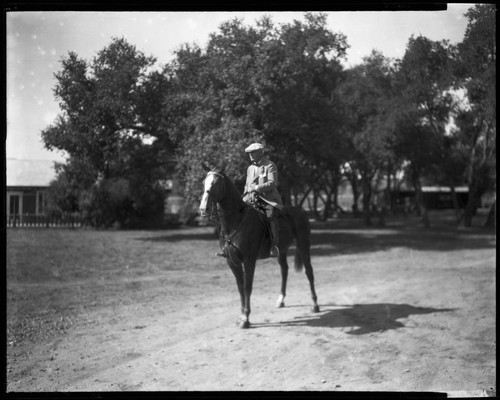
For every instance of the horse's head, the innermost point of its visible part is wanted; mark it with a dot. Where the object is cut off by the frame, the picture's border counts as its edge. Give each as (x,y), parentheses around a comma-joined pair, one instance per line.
(213,190)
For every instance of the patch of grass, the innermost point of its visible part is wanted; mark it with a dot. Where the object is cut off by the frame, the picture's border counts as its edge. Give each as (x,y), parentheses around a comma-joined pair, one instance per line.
(57,273)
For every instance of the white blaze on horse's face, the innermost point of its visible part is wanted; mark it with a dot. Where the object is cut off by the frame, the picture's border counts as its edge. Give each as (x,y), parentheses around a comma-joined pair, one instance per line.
(207,186)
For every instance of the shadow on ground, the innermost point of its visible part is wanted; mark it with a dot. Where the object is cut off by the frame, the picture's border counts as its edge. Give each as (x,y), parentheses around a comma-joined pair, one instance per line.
(337,240)
(184,234)
(361,318)
(325,243)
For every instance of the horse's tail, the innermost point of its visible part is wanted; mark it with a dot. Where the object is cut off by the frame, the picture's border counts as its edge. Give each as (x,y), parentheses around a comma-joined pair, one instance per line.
(302,234)
(298,262)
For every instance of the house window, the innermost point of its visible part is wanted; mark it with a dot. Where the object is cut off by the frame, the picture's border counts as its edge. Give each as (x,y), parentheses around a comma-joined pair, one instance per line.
(29,203)
(40,203)
(14,204)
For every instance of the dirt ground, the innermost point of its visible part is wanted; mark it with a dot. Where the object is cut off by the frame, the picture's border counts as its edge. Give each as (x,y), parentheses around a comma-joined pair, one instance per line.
(402,309)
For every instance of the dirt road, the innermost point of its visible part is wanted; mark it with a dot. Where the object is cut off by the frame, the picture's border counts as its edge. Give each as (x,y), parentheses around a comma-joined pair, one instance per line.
(401,310)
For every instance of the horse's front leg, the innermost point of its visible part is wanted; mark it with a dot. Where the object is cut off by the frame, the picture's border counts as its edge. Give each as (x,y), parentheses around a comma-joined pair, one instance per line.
(248,274)
(284,277)
(238,275)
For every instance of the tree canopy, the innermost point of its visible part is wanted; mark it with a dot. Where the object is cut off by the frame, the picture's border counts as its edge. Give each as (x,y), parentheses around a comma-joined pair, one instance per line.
(110,128)
(127,124)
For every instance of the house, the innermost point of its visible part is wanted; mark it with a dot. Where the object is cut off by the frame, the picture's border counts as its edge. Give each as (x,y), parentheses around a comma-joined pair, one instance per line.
(27,183)
(403,197)
(434,197)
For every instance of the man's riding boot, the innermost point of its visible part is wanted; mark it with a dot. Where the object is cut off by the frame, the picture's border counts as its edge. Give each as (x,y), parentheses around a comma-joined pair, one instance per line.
(274,252)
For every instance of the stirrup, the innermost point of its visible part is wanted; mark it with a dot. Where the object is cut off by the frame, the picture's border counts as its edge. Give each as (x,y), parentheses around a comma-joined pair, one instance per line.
(274,251)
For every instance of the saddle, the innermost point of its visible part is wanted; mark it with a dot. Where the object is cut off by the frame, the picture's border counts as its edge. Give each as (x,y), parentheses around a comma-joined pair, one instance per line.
(260,206)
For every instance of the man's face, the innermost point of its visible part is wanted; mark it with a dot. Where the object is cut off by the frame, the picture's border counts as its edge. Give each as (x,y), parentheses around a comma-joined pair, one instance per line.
(255,156)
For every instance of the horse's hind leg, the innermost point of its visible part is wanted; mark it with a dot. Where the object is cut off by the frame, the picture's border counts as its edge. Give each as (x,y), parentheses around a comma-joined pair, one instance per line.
(310,277)
(284,277)
(303,254)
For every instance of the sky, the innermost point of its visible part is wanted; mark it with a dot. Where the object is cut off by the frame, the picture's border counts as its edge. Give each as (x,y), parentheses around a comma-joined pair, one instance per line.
(37,41)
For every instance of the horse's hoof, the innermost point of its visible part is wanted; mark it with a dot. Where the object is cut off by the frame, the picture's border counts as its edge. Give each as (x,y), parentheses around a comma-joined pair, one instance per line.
(315,309)
(280,304)
(244,324)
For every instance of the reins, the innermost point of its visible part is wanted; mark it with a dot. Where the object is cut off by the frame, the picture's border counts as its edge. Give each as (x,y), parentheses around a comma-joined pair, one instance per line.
(221,213)
(215,214)
(227,238)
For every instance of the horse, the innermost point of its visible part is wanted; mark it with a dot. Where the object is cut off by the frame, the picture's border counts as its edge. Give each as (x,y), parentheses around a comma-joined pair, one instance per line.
(244,238)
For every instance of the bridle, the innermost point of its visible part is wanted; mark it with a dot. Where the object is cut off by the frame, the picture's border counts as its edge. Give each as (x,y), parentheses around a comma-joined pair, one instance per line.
(215,214)
(210,190)
(212,202)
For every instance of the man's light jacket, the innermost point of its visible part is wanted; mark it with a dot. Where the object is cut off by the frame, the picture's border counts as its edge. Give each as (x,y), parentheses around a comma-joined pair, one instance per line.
(265,176)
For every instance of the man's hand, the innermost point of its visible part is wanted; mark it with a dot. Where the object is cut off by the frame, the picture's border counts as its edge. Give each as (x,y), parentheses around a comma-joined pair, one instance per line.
(253,188)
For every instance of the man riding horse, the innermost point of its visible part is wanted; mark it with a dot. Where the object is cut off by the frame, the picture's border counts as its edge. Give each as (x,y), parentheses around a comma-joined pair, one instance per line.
(261,187)
(243,238)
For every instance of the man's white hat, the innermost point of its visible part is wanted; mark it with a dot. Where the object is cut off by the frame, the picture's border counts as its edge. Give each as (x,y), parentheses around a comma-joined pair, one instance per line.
(253,147)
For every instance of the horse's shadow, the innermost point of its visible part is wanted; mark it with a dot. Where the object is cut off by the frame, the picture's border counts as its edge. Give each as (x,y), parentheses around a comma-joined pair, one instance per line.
(360,318)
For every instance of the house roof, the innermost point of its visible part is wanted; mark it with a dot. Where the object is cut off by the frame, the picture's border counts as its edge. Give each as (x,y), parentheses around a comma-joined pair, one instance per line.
(445,189)
(30,172)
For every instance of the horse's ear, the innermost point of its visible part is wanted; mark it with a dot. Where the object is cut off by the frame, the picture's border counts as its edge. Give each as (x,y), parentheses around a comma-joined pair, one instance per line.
(205,166)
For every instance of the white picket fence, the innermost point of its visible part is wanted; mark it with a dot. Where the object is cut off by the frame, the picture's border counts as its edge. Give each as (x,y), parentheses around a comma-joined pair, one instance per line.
(72,221)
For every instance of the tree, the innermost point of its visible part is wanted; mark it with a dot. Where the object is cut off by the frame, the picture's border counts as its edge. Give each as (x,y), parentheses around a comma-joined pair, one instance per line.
(422,108)
(366,92)
(300,112)
(207,110)
(476,119)
(264,83)
(64,192)
(110,127)
(449,170)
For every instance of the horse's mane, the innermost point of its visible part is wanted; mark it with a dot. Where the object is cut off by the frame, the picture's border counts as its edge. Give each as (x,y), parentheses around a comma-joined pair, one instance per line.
(231,187)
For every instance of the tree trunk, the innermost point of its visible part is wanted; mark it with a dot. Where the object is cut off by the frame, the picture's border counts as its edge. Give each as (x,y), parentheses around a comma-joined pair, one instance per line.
(471,205)
(456,206)
(306,196)
(366,202)
(388,196)
(467,216)
(328,206)
(381,217)
(491,220)
(336,197)
(293,196)
(315,205)
(331,190)
(323,216)
(421,208)
(285,193)
(355,195)
(309,204)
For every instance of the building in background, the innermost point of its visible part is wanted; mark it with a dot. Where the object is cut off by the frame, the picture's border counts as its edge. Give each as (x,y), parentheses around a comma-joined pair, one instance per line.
(27,185)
